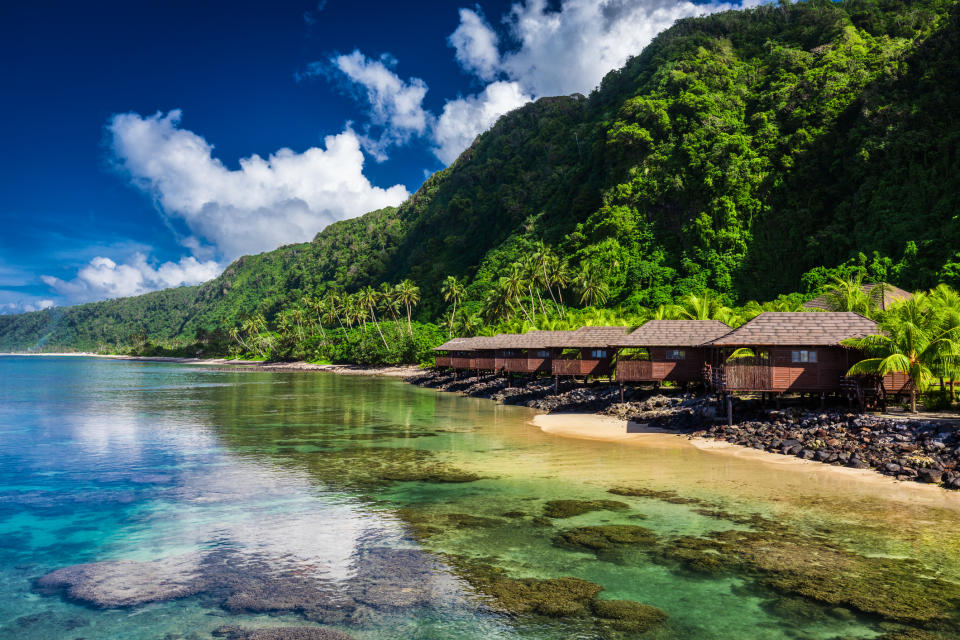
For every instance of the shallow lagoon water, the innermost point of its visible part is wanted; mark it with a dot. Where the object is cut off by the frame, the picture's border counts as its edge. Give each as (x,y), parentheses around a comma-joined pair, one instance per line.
(106,460)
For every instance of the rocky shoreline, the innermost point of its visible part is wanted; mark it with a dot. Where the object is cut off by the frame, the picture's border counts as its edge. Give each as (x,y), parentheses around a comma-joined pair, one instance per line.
(907,449)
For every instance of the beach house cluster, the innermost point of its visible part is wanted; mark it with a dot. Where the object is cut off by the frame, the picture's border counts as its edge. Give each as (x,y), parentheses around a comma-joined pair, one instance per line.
(774,353)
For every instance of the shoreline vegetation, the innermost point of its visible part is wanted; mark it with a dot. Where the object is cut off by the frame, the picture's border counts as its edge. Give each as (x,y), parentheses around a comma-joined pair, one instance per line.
(261,365)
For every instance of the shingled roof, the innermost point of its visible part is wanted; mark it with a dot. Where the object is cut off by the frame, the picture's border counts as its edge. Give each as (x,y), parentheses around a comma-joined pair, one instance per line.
(530,340)
(477,343)
(675,333)
(455,344)
(588,337)
(883,298)
(799,329)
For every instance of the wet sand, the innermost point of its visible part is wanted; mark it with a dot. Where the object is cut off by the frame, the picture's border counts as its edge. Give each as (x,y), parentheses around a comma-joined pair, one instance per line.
(587,426)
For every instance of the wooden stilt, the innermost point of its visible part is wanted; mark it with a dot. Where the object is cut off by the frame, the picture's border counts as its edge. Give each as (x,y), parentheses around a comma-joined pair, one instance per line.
(621,392)
(822,400)
(556,385)
(729,410)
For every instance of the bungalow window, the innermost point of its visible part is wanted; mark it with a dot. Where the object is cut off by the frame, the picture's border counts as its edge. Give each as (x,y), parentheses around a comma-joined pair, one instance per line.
(598,353)
(543,354)
(804,356)
(676,354)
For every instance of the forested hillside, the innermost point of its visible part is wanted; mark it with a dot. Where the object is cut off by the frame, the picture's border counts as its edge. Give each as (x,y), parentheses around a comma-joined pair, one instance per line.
(750,153)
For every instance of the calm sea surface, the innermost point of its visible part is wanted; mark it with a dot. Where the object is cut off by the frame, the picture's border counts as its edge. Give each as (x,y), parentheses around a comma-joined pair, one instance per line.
(277,491)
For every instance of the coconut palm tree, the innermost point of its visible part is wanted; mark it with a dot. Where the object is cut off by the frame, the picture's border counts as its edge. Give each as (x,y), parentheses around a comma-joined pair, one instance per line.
(234,333)
(318,306)
(470,323)
(593,290)
(329,315)
(513,285)
(558,273)
(335,302)
(534,278)
(369,297)
(706,306)
(409,294)
(945,304)
(452,291)
(496,304)
(544,257)
(255,326)
(389,301)
(298,316)
(848,295)
(914,341)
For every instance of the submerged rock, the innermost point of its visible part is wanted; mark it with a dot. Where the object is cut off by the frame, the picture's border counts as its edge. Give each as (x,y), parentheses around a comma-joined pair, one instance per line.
(555,597)
(569,508)
(231,632)
(126,583)
(626,615)
(604,537)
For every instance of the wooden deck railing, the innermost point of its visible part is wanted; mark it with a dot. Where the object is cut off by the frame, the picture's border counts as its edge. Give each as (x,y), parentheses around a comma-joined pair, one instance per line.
(525,365)
(747,375)
(586,367)
(443,361)
(634,370)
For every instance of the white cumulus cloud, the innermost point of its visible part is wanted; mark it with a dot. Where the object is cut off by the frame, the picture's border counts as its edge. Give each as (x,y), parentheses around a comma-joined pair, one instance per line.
(26,306)
(477,45)
(396,106)
(284,198)
(104,278)
(568,50)
(464,119)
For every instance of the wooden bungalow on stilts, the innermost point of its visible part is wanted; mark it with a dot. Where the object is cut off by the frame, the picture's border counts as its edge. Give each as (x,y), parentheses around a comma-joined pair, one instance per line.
(798,352)
(452,354)
(584,352)
(674,350)
(483,356)
(525,353)
(467,354)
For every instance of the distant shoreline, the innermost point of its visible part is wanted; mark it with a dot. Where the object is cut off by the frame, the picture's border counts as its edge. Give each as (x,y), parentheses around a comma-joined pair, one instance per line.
(399,371)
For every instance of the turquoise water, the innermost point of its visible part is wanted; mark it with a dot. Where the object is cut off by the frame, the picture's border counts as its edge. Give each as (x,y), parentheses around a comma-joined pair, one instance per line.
(293,481)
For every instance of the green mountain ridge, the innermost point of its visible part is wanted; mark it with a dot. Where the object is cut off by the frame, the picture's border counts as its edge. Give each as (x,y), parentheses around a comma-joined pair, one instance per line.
(747,152)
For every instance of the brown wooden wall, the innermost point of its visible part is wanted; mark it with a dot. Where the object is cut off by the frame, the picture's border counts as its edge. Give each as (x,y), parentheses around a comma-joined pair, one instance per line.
(658,368)
(781,374)
(584,365)
(896,383)
(523,360)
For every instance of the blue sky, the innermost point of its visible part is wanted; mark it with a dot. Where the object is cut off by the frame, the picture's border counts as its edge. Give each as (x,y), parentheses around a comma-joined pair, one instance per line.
(148,144)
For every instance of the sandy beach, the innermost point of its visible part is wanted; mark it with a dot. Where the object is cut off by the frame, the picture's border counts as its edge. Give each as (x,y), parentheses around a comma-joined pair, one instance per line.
(588,426)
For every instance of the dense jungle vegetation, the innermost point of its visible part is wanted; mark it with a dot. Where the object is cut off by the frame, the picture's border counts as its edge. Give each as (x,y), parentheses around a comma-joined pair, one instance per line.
(739,157)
